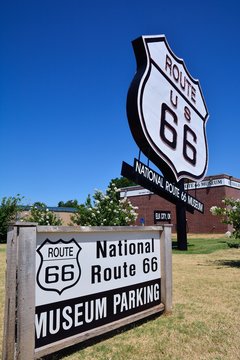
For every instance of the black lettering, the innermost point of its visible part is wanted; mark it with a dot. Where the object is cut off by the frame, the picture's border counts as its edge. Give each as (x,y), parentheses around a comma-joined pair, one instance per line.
(166,125)
(193,94)
(132,270)
(50,252)
(182,83)
(175,72)
(112,250)
(187,113)
(96,275)
(168,64)
(189,146)
(101,249)
(174,103)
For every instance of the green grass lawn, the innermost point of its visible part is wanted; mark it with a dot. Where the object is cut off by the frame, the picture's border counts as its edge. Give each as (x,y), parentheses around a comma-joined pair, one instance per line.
(202,245)
(204,323)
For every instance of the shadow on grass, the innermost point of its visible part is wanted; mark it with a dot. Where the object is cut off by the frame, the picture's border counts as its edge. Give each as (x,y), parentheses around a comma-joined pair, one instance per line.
(175,245)
(228,263)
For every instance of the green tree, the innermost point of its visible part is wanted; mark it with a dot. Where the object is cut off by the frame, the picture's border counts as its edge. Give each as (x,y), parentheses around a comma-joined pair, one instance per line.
(106,210)
(122,182)
(40,214)
(81,217)
(9,209)
(69,203)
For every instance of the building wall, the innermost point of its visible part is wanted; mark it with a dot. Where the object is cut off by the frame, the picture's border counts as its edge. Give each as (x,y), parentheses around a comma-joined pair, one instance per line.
(207,223)
(211,191)
(62,213)
(65,217)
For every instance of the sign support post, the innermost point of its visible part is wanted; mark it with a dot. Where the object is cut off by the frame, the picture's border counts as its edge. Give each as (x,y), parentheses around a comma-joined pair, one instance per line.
(19,335)
(181,222)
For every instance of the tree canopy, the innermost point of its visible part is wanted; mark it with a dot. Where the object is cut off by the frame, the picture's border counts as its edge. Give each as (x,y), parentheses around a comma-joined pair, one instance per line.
(102,209)
(9,209)
(69,203)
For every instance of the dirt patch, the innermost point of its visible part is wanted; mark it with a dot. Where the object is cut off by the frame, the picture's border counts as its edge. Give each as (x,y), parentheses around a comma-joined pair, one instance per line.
(202,236)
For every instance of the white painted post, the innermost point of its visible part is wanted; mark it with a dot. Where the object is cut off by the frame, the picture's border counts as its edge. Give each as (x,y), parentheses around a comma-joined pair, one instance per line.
(166,267)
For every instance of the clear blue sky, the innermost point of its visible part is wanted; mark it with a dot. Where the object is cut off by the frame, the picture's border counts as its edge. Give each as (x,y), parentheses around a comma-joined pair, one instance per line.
(65,69)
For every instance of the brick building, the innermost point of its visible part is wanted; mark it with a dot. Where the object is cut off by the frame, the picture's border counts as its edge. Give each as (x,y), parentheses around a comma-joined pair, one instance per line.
(211,191)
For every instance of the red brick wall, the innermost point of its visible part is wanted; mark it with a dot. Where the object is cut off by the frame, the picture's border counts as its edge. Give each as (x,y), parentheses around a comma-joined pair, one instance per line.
(207,223)
(197,222)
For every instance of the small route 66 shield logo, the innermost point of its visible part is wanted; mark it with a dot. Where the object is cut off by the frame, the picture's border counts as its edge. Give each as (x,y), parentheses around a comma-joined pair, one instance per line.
(59,268)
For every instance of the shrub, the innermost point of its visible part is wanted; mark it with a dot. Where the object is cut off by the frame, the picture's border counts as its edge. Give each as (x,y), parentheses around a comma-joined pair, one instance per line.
(106,210)
(40,214)
(9,210)
(230,214)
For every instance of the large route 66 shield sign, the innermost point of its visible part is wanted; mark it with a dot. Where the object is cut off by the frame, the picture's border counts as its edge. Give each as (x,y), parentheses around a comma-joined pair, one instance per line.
(166,111)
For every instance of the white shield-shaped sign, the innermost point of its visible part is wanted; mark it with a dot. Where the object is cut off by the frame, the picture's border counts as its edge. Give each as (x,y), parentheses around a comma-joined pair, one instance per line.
(167,112)
(59,268)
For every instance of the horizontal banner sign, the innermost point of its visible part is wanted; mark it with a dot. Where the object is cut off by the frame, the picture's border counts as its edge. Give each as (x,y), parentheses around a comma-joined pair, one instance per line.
(212,183)
(151,180)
